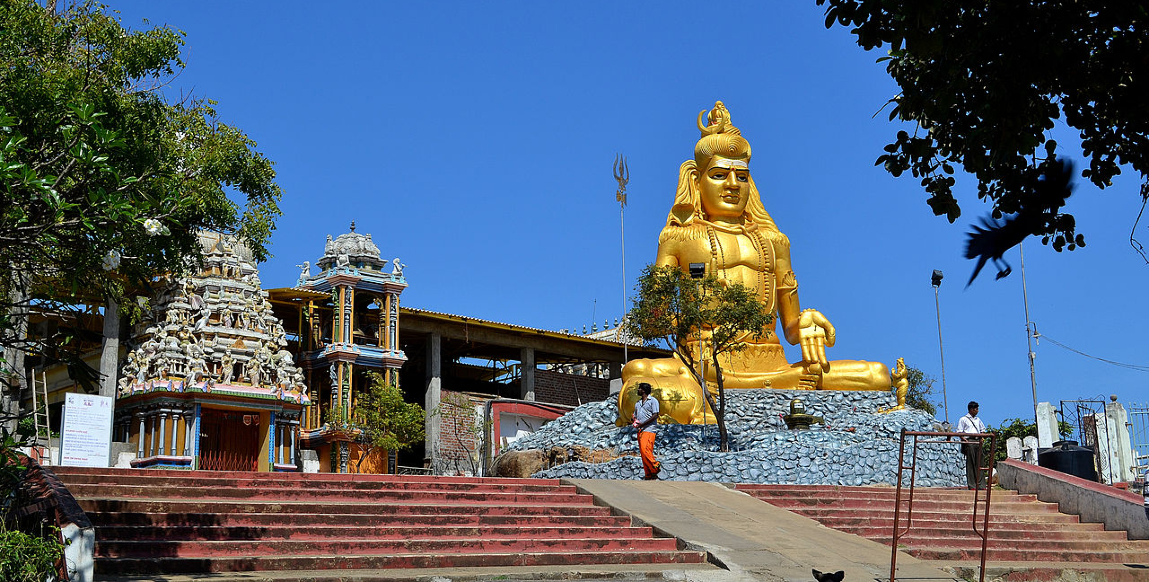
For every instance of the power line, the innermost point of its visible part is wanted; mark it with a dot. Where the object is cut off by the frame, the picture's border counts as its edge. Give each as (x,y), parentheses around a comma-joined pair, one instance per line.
(1137,367)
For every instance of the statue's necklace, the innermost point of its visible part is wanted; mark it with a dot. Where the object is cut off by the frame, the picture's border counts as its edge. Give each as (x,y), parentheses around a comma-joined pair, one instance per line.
(763,266)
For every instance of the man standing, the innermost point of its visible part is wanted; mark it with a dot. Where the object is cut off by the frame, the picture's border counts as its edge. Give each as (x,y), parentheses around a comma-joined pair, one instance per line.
(1145,492)
(971,424)
(646,420)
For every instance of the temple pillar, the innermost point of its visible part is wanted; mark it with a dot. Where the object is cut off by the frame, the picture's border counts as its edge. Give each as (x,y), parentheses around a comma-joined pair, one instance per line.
(110,352)
(189,428)
(279,443)
(385,323)
(152,420)
(433,396)
(267,441)
(394,327)
(163,425)
(351,380)
(292,453)
(196,436)
(175,433)
(527,365)
(140,437)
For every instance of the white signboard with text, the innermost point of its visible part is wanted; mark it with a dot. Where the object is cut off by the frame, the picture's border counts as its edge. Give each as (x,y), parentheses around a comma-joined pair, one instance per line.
(86,436)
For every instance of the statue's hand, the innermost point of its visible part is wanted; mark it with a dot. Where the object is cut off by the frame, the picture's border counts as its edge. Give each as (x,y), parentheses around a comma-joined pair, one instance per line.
(815,332)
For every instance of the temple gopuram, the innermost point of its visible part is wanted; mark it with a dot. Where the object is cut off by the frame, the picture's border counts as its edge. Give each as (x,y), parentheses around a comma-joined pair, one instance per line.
(345,321)
(211,384)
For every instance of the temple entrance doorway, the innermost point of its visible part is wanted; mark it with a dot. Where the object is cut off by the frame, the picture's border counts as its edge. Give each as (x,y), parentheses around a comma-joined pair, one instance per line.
(229,440)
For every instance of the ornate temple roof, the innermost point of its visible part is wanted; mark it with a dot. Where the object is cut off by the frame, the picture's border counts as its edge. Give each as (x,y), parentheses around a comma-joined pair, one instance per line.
(214,332)
(352,259)
(358,249)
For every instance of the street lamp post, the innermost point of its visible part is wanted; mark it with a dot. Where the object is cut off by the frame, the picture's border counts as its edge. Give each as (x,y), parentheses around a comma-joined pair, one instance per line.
(936,280)
(697,272)
(1030,333)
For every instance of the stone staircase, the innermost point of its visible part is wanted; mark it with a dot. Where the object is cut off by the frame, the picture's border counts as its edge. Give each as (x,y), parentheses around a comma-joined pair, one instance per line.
(1024,534)
(180,522)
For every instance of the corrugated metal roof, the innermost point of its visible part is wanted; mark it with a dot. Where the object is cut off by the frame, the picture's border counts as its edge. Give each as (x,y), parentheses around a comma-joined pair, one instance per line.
(503,326)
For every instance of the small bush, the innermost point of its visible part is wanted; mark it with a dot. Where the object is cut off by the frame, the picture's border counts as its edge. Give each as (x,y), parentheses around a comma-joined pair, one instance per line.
(25,558)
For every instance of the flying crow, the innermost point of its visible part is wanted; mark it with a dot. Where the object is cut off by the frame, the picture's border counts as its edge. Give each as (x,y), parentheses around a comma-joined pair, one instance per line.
(993,238)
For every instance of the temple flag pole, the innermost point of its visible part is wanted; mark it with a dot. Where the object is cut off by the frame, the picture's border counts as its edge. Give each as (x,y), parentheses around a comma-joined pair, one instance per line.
(622,176)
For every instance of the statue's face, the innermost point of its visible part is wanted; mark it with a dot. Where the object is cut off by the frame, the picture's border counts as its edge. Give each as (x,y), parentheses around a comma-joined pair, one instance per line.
(724,188)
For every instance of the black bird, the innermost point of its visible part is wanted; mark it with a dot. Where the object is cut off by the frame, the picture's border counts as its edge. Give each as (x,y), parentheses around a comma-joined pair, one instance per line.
(828,577)
(991,240)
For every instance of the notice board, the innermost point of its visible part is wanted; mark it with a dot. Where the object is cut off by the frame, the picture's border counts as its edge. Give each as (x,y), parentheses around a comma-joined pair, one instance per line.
(86,435)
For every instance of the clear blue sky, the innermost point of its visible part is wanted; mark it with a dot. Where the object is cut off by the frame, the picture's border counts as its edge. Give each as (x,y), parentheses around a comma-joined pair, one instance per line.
(475,141)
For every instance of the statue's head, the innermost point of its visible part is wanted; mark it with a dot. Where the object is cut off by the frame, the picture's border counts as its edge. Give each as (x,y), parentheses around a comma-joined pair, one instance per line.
(716,185)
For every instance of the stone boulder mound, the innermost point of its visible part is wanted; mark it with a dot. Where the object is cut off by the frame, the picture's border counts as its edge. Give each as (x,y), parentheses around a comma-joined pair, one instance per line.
(857,445)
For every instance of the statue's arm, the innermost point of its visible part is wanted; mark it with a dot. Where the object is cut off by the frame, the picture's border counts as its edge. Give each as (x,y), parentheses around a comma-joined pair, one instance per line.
(786,284)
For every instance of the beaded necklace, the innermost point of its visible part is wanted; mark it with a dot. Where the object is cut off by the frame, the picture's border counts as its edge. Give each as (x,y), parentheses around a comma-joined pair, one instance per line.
(763,250)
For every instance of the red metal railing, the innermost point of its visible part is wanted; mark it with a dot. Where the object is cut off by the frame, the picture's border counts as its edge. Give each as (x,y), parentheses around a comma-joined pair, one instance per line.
(985,473)
(227,461)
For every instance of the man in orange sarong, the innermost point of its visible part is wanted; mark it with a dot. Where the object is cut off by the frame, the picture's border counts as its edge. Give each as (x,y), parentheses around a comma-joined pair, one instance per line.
(646,420)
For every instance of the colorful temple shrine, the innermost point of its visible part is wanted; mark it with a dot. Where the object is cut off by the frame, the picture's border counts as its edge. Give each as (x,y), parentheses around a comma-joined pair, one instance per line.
(211,384)
(348,326)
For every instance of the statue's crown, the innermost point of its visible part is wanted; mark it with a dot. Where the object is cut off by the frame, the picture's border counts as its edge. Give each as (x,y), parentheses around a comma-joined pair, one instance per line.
(717,121)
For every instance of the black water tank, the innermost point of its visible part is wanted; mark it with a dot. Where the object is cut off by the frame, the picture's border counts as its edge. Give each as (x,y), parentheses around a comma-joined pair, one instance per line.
(1067,457)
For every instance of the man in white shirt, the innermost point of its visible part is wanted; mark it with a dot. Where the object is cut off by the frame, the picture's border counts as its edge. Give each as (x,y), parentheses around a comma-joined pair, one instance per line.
(1145,493)
(646,420)
(971,424)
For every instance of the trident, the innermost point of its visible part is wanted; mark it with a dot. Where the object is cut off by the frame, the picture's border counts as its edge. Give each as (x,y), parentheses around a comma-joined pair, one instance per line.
(622,175)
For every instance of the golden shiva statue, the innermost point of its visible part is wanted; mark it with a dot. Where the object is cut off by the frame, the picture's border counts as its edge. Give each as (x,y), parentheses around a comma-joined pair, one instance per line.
(718,219)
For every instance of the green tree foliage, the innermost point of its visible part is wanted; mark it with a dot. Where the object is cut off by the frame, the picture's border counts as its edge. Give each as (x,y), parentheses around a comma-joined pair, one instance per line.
(1011,427)
(93,151)
(921,391)
(671,307)
(985,82)
(1016,427)
(387,422)
(28,558)
(103,181)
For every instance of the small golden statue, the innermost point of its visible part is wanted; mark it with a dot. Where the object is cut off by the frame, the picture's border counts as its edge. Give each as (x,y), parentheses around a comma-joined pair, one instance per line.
(718,219)
(901,378)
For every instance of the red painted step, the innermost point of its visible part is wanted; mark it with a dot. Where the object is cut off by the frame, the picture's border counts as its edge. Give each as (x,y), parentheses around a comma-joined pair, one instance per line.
(1021,528)
(167,565)
(188,522)
(380,507)
(367,547)
(373,532)
(311,520)
(565,496)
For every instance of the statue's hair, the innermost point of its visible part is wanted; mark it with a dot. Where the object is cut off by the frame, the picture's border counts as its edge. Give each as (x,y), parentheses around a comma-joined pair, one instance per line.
(727,145)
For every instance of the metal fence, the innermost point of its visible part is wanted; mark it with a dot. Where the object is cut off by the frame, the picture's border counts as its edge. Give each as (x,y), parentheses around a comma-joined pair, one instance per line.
(1139,435)
(1082,417)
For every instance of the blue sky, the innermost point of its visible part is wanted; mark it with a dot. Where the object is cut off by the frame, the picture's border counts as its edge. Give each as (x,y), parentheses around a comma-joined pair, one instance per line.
(475,141)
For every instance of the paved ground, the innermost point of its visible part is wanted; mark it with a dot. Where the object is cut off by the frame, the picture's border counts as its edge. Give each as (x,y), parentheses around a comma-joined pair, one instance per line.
(749,540)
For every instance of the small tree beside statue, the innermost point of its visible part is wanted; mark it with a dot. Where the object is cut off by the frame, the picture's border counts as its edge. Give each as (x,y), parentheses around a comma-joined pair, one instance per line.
(672,307)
